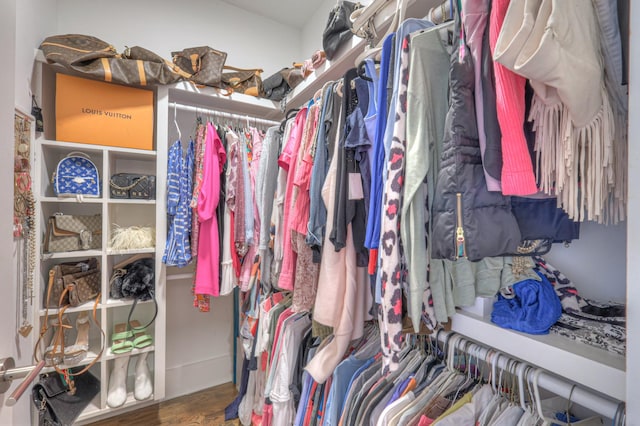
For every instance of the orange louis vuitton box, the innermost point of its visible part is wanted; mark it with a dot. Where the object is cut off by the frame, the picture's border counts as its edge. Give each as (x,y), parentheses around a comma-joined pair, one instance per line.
(93,112)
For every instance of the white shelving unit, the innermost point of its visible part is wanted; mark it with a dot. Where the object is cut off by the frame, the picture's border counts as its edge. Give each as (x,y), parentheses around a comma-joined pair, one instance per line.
(114,212)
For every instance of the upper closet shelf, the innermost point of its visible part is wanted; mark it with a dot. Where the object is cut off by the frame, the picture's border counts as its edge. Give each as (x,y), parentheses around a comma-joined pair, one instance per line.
(187,93)
(384,11)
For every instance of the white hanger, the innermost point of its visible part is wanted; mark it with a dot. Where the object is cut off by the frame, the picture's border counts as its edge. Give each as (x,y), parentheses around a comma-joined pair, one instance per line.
(175,120)
(595,420)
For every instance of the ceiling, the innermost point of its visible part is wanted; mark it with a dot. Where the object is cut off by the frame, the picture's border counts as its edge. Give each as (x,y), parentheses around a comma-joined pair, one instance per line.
(293,13)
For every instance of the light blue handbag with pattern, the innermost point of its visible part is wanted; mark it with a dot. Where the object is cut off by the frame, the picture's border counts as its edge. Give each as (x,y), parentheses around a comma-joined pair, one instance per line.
(76,176)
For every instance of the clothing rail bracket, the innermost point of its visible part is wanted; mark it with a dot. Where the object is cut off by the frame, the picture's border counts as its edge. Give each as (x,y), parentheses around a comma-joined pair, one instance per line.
(8,373)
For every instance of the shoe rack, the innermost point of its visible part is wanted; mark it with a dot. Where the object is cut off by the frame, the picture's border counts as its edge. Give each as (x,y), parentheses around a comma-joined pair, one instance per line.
(133,377)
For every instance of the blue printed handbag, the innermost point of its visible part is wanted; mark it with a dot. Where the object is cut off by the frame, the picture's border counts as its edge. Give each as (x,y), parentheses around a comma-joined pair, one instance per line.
(76,176)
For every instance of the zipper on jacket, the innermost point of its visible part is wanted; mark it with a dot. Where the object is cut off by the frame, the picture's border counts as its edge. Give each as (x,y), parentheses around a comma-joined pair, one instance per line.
(461,250)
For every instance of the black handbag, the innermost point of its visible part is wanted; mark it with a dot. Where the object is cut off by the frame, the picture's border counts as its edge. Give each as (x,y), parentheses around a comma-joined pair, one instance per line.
(133,186)
(541,225)
(56,404)
(338,29)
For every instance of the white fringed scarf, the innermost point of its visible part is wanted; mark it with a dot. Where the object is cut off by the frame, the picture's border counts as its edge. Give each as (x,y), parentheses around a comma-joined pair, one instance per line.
(580,137)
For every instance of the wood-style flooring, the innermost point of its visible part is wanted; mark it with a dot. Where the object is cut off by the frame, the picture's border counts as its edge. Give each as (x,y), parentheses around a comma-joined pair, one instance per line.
(201,408)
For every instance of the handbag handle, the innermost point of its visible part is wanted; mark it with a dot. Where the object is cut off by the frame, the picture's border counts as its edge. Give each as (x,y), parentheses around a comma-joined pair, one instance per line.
(128,187)
(256,70)
(78,154)
(133,307)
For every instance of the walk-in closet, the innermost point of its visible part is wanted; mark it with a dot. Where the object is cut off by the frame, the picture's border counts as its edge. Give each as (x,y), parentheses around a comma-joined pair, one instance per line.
(277,212)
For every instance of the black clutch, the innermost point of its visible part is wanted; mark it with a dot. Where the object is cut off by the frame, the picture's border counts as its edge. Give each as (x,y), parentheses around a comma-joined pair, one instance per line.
(133,185)
(55,403)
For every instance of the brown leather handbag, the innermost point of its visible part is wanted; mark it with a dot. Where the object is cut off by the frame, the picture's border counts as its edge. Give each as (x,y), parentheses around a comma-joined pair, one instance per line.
(247,81)
(99,60)
(81,278)
(204,63)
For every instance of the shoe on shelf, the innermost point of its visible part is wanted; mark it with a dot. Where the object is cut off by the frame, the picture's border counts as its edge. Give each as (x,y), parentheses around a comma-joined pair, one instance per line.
(117,392)
(77,352)
(120,339)
(54,353)
(143,388)
(140,338)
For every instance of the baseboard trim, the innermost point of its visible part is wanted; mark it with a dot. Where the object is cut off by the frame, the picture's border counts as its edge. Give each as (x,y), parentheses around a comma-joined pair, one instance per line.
(189,378)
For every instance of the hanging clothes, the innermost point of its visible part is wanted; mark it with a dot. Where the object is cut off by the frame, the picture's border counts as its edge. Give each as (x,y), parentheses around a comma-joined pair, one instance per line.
(180,181)
(208,265)
(287,162)
(426,111)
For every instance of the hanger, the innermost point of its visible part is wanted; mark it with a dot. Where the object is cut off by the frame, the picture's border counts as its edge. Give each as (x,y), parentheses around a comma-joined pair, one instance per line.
(131,259)
(175,120)
(594,420)
(362,73)
(398,18)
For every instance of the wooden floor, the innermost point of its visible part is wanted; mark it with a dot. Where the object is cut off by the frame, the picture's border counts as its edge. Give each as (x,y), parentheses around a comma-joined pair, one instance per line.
(202,408)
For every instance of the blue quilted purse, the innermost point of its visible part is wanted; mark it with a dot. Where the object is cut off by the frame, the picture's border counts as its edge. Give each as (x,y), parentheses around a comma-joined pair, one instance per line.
(76,176)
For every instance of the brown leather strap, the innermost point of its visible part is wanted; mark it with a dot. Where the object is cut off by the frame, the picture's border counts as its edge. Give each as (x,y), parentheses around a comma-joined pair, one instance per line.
(45,323)
(99,355)
(256,70)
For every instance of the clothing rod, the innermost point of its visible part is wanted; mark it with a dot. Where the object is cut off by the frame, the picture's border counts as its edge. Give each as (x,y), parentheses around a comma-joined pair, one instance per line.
(441,13)
(175,277)
(581,396)
(222,114)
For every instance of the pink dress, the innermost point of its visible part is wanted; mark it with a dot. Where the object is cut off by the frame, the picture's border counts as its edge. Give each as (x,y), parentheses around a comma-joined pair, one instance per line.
(287,161)
(208,266)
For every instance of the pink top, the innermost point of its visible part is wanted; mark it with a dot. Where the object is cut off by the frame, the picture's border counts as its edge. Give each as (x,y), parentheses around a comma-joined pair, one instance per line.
(256,152)
(288,162)
(208,266)
(517,170)
(302,179)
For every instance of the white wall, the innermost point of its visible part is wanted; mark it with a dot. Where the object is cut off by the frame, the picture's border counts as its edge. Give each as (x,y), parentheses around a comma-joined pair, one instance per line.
(595,263)
(312,29)
(22,24)
(162,26)
(199,351)
(7,303)
(34,20)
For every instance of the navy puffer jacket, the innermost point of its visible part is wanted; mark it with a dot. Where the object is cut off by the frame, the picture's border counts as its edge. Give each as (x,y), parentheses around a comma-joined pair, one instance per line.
(467,220)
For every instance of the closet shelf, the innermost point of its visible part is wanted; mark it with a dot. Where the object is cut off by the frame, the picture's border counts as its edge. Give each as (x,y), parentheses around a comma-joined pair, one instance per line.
(330,70)
(113,303)
(130,201)
(65,147)
(187,93)
(347,54)
(110,355)
(91,410)
(70,200)
(92,413)
(91,356)
(72,254)
(112,252)
(592,367)
(84,307)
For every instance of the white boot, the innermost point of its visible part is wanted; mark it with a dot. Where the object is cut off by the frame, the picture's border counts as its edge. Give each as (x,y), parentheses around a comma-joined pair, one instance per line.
(143,386)
(117,394)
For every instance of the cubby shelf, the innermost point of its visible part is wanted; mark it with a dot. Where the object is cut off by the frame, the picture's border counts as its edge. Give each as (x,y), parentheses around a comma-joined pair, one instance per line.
(114,212)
